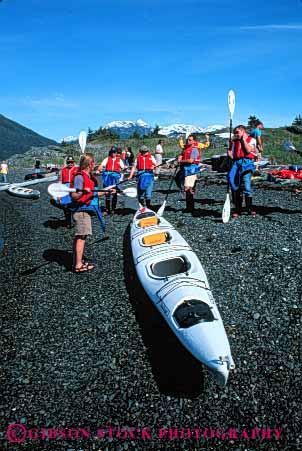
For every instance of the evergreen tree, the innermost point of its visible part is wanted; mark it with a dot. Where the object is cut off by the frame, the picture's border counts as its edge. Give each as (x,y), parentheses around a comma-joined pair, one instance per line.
(252,121)
(297,121)
(90,134)
(135,135)
(154,133)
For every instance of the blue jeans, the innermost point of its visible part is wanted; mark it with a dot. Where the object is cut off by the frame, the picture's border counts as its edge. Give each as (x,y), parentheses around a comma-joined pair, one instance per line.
(4,178)
(247,184)
(146,193)
(240,176)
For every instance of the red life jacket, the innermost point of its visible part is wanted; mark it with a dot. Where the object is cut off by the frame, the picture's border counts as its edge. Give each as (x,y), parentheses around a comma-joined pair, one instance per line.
(238,152)
(113,164)
(68,174)
(89,182)
(186,154)
(124,155)
(144,162)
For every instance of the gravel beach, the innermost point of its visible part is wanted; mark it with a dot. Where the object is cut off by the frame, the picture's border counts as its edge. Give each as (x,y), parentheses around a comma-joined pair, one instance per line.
(89,355)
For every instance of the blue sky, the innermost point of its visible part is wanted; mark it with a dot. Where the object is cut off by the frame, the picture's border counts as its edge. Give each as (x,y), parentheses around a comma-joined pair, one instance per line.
(67,65)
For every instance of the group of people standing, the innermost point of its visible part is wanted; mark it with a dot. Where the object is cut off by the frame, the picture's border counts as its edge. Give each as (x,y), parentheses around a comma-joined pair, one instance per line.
(243,150)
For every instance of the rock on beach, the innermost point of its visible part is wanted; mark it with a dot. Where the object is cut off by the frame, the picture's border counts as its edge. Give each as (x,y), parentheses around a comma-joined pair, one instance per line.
(89,351)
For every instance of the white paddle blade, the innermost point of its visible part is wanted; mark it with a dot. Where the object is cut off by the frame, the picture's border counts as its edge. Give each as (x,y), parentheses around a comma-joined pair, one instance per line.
(130,192)
(57,190)
(82,140)
(161,209)
(226,212)
(231,102)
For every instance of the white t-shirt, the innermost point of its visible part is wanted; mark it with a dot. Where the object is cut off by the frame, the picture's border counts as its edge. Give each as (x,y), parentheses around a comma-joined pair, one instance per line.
(159,149)
(3,168)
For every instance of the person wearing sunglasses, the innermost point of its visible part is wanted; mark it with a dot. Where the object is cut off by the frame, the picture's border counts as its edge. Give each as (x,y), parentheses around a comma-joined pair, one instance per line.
(189,162)
(243,151)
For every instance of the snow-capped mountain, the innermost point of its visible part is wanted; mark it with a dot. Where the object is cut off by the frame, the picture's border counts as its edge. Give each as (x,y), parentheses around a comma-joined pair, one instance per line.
(185,129)
(126,128)
(69,139)
(214,128)
(179,129)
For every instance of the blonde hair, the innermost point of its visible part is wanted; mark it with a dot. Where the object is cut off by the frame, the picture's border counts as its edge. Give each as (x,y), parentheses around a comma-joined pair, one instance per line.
(85,160)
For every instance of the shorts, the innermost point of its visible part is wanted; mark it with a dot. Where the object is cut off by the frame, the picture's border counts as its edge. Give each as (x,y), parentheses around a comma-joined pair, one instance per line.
(190,181)
(82,223)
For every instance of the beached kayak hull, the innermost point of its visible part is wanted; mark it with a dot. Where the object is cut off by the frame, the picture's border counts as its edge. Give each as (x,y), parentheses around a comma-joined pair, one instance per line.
(173,278)
(24,193)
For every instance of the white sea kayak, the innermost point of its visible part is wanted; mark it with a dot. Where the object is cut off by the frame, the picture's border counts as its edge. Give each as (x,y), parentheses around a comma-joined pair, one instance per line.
(25,193)
(51,178)
(173,278)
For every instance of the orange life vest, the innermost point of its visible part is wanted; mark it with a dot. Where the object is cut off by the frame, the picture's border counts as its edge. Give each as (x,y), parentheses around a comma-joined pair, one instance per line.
(186,154)
(113,164)
(68,174)
(88,182)
(238,152)
(144,162)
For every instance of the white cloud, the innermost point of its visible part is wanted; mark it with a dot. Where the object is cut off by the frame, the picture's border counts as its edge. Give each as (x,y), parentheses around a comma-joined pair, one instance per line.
(272,27)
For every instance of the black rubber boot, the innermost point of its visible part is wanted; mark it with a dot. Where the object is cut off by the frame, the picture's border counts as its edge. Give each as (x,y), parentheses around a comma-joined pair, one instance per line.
(67,214)
(114,202)
(189,202)
(142,202)
(148,203)
(249,205)
(107,204)
(237,201)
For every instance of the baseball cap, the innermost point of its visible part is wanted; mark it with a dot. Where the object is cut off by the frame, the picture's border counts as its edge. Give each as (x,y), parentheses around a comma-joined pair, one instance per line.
(69,159)
(144,149)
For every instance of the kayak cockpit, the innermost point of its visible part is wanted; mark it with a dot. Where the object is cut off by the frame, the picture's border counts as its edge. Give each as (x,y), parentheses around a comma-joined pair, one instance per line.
(170,267)
(147,214)
(148,221)
(191,312)
(156,238)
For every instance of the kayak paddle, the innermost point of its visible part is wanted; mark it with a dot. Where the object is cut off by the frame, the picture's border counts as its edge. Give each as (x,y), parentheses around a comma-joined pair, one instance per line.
(161,209)
(226,212)
(58,190)
(82,140)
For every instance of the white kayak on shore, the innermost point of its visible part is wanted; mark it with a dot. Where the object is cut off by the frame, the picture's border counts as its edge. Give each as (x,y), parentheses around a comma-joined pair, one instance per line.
(173,278)
(25,193)
(51,178)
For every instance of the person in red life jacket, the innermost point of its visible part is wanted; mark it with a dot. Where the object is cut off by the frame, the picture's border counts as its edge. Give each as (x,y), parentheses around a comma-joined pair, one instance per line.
(111,168)
(243,152)
(66,177)
(68,171)
(85,199)
(144,165)
(189,162)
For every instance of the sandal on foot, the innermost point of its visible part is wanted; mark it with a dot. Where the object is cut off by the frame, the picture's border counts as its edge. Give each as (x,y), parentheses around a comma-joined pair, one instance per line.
(83,268)
(88,265)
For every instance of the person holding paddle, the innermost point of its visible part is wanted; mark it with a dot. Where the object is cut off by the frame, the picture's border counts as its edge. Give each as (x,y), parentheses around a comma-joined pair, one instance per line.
(242,152)
(85,202)
(111,168)
(190,161)
(144,164)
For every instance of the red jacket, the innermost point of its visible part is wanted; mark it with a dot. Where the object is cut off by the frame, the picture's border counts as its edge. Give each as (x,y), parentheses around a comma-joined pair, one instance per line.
(238,152)
(144,162)
(113,164)
(68,175)
(89,182)
(186,154)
